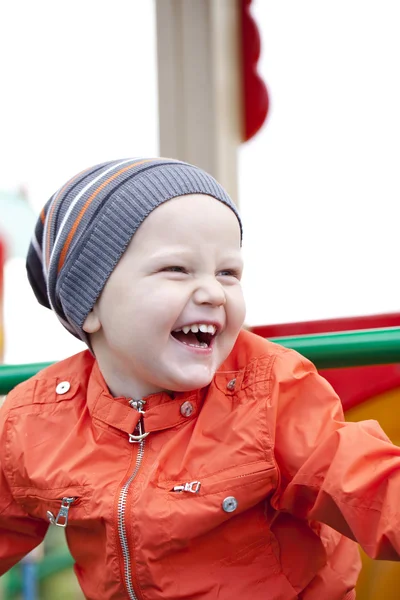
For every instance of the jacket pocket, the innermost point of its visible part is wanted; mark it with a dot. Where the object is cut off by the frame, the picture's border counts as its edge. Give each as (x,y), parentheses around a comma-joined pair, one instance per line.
(59,507)
(217,498)
(233,478)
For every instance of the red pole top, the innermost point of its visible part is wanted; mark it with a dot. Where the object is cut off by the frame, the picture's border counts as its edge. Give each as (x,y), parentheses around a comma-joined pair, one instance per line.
(255,94)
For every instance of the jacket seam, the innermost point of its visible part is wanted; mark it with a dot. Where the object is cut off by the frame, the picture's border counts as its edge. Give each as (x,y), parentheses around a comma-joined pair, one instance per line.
(353,503)
(7,454)
(178,497)
(8,476)
(17,395)
(269,425)
(51,489)
(255,462)
(109,428)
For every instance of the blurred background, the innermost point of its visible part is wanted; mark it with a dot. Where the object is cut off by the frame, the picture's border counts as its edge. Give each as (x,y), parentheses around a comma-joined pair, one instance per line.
(318,185)
(317,181)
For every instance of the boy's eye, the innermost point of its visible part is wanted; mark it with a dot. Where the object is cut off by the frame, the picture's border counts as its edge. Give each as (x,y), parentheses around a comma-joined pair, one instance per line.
(175,269)
(229,273)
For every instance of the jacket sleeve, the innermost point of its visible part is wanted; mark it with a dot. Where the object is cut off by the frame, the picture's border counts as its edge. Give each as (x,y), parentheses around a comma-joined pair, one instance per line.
(19,533)
(346,475)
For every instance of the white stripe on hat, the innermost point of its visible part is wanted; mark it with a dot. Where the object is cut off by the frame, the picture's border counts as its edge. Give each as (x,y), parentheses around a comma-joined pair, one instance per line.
(67,214)
(37,248)
(76,200)
(44,236)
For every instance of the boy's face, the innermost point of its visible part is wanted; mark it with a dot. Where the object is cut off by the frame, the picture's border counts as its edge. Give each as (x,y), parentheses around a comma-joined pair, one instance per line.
(182,269)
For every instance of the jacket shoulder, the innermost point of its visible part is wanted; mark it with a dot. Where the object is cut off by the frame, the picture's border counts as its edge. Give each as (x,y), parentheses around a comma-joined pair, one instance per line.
(41,388)
(250,347)
(259,359)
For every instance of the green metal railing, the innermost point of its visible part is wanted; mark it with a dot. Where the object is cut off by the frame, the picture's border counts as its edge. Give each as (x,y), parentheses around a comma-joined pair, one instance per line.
(12,375)
(348,348)
(325,350)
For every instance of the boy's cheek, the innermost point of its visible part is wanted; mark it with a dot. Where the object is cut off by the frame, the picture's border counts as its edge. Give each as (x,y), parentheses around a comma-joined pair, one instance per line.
(238,308)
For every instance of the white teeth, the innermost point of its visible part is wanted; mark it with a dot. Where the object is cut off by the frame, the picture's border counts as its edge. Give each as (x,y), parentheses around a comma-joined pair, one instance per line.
(196,327)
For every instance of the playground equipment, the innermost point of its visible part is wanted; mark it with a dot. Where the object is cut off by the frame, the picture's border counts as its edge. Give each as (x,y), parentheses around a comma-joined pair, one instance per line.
(368,384)
(366,352)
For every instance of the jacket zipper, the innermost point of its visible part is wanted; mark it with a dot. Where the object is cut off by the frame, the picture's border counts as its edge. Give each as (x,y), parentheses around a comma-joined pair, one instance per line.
(138,437)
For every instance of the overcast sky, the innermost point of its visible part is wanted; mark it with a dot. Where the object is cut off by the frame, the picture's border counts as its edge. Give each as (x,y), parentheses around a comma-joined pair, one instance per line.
(319,185)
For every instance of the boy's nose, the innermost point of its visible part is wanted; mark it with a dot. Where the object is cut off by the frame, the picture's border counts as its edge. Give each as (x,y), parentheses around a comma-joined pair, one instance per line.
(209,291)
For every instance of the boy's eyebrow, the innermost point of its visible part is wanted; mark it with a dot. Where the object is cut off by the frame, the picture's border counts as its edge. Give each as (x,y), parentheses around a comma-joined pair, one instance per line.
(181,251)
(170,253)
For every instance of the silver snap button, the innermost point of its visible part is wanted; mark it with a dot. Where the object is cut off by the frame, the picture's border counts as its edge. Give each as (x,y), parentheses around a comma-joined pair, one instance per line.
(186,409)
(63,387)
(231,384)
(230,504)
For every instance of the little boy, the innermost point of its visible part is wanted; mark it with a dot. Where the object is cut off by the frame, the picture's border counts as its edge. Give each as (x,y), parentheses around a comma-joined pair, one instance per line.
(186,458)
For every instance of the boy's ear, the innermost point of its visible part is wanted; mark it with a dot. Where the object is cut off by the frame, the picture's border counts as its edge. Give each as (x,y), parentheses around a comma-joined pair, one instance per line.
(92,322)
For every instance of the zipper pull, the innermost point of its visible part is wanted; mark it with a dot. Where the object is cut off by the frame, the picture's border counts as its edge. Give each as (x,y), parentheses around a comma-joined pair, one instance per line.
(61,519)
(134,439)
(137,405)
(193,487)
(138,435)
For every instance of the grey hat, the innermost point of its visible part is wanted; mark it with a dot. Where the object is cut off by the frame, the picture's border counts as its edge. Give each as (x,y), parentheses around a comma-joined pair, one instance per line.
(87,225)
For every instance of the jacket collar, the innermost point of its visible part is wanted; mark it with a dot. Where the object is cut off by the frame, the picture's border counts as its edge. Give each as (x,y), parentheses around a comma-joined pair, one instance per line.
(161,410)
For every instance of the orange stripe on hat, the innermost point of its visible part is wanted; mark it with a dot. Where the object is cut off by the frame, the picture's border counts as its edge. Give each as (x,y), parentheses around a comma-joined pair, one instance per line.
(52,212)
(84,208)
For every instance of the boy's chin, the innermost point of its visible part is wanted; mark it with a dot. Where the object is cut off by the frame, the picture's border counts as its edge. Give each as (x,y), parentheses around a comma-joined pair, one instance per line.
(193,383)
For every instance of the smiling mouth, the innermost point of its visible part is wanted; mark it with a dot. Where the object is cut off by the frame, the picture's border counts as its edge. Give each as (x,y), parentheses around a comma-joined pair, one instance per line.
(197,336)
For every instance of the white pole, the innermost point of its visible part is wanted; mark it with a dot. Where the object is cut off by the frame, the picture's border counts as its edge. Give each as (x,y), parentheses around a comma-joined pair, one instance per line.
(200,105)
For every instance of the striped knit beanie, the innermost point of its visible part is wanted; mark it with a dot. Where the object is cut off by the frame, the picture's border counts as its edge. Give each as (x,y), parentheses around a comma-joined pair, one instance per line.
(87,225)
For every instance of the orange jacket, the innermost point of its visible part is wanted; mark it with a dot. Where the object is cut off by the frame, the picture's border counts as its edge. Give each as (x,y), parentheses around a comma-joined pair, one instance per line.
(233,493)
